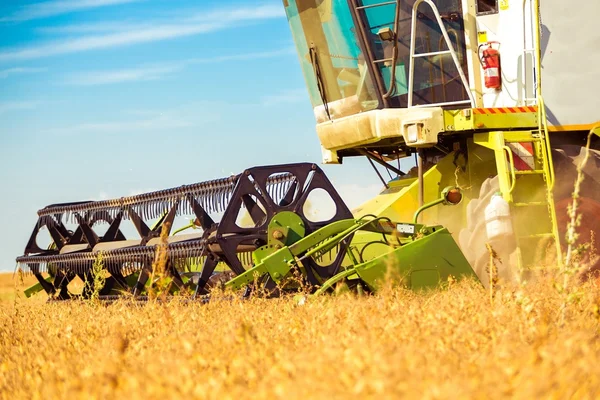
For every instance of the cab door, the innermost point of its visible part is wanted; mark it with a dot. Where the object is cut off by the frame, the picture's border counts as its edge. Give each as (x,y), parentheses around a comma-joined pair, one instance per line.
(436,77)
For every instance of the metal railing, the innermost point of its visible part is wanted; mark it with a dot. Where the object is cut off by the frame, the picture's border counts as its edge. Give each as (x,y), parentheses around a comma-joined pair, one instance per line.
(451,51)
(535,51)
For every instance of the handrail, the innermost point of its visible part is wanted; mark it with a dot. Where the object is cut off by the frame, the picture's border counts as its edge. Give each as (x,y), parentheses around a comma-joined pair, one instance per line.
(513,175)
(535,16)
(543,129)
(413,32)
(538,50)
(542,118)
(526,51)
(548,170)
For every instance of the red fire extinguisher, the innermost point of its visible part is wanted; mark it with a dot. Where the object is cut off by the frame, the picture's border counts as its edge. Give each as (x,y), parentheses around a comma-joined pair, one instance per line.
(490,61)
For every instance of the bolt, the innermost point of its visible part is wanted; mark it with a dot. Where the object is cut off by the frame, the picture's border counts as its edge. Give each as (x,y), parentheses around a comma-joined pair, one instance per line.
(277,234)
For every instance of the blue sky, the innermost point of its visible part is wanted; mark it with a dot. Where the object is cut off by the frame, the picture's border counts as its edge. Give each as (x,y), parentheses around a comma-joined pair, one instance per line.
(106,98)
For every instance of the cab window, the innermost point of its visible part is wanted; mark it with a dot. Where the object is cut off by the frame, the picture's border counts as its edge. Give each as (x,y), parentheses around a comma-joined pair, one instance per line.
(487,7)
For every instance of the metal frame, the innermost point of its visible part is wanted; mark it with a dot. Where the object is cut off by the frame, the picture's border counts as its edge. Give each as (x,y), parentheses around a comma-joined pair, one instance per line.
(262,191)
(508,175)
(379,160)
(411,79)
(368,53)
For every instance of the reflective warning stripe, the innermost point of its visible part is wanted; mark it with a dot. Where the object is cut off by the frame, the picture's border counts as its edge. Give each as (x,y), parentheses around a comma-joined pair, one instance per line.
(523,156)
(505,110)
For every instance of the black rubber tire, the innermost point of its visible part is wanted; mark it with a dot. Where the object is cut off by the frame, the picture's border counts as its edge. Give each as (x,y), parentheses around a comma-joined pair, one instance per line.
(473,237)
(566,160)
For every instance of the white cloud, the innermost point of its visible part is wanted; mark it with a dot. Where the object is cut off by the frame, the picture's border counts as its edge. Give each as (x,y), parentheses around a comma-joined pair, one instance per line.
(106,41)
(95,27)
(159,71)
(158,32)
(10,106)
(262,11)
(126,126)
(190,115)
(57,7)
(182,17)
(123,75)
(286,97)
(245,56)
(5,73)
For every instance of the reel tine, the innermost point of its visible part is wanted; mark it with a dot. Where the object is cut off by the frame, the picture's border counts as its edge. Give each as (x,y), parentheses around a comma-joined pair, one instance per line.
(202,200)
(209,198)
(213,196)
(282,186)
(216,202)
(222,198)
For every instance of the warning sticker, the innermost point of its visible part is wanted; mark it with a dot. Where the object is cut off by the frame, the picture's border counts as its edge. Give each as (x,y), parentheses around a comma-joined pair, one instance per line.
(405,228)
(504,5)
(491,72)
(482,37)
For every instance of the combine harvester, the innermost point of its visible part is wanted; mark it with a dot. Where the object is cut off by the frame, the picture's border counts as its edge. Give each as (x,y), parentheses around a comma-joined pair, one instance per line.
(455,83)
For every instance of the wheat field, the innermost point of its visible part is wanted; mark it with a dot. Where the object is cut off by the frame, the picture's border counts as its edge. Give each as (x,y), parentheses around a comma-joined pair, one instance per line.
(459,342)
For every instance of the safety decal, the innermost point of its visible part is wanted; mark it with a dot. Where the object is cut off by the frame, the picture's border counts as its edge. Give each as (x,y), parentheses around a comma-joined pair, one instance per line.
(523,156)
(505,110)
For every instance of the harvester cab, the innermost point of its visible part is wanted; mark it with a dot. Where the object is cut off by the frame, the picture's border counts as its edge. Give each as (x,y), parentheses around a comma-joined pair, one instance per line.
(456,83)
(378,72)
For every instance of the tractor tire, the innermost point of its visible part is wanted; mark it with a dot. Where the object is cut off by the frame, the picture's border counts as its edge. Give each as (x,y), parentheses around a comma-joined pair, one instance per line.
(566,160)
(473,237)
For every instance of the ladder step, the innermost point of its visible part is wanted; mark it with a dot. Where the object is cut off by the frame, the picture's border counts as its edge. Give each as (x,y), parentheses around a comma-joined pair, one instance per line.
(530,172)
(531,204)
(434,53)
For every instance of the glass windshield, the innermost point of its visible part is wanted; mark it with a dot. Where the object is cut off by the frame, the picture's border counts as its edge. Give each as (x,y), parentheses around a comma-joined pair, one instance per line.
(332,62)
(339,73)
(436,77)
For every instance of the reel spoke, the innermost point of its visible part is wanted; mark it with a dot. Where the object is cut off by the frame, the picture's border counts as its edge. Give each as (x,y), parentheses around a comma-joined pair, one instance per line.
(255,196)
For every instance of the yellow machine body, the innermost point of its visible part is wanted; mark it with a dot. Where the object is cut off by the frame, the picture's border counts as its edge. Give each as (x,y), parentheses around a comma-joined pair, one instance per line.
(393,79)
